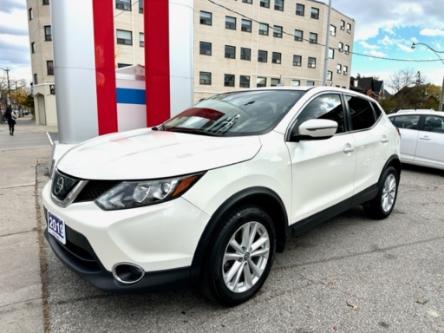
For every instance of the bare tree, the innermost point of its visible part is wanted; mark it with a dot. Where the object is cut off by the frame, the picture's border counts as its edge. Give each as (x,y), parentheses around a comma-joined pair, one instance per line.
(402,78)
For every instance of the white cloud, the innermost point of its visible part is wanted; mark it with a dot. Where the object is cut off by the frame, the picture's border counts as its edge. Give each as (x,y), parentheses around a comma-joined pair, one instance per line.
(386,16)
(432,32)
(376,53)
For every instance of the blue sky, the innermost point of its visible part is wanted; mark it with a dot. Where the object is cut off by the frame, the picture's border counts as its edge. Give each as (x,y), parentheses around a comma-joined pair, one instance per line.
(387,28)
(383,28)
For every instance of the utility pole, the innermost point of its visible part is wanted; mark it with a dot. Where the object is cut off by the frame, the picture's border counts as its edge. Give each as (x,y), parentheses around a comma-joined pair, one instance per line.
(9,84)
(327,45)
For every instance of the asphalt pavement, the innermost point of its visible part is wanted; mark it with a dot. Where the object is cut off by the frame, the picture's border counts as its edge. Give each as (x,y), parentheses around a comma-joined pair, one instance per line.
(351,274)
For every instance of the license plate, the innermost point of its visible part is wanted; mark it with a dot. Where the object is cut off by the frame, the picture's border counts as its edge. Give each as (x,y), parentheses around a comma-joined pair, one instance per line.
(56,228)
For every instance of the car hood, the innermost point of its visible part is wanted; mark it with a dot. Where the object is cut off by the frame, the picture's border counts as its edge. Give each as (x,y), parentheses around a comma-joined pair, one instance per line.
(147,154)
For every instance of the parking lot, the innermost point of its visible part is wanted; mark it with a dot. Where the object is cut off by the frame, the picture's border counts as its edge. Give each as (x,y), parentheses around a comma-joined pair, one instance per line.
(349,275)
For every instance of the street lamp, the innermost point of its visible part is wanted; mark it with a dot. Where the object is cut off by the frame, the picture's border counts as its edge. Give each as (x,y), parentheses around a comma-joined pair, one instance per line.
(441,102)
(8,83)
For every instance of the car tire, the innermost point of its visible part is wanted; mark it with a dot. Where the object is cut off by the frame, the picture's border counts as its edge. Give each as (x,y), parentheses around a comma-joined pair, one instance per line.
(227,264)
(382,205)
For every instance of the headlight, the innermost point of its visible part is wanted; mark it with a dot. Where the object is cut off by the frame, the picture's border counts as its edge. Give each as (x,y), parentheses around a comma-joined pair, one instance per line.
(131,194)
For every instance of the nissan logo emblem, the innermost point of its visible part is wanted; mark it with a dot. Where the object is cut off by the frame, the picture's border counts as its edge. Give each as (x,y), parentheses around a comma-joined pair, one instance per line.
(60,183)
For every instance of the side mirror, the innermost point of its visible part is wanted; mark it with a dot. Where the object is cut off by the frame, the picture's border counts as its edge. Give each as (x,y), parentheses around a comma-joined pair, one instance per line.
(315,129)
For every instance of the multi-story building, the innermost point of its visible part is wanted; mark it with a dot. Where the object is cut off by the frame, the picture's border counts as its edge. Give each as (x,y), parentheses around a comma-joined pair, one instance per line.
(237,44)
(258,43)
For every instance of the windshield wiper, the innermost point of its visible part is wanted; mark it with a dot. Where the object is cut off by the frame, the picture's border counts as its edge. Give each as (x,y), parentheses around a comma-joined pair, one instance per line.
(189,131)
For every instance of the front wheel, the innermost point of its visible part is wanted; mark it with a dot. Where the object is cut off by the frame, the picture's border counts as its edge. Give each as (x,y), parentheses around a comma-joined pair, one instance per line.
(241,257)
(382,206)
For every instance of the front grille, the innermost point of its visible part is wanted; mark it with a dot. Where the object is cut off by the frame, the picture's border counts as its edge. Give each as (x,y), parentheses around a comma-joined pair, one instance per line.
(62,185)
(94,189)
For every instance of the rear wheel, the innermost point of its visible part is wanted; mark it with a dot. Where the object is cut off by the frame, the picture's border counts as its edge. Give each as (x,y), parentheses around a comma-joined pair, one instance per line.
(382,206)
(241,257)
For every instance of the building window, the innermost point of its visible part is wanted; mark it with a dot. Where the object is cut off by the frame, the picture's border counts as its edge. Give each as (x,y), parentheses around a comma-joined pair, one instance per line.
(205,48)
(50,67)
(311,62)
(229,80)
(141,6)
(347,49)
(313,38)
(314,14)
(349,27)
(123,4)
(339,69)
(263,29)
(35,78)
(246,25)
(245,53)
(297,60)
(205,78)
(300,9)
(141,39)
(264,3)
(30,14)
(206,18)
(262,56)
(230,52)
(124,37)
(230,23)
(248,1)
(345,70)
(298,35)
(329,76)
(310,83)
(342,25)
(244,81)
(33,47)
(275,82)
(261,81)
(341,47)
(295,83)
(331,53)
(48,33)
(332,30)
(123,65)
(276,58)
(45,2)
(279,5)
(277,31)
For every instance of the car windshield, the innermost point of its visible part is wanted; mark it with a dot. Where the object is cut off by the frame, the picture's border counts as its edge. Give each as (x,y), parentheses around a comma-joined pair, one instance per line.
(235,113)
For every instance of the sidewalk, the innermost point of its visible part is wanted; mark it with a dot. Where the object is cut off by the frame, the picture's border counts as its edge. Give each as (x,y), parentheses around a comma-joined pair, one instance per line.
(21,302)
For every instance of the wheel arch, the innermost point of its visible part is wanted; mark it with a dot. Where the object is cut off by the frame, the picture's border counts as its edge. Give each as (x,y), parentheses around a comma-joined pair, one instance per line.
(395,162)
(265,198)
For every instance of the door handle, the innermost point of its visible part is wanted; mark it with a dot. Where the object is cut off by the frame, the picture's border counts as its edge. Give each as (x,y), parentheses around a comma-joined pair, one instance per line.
(425,137)
(384,139)
(348,149)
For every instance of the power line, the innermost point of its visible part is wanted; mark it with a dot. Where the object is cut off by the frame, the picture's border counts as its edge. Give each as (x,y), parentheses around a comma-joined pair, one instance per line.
(320,44)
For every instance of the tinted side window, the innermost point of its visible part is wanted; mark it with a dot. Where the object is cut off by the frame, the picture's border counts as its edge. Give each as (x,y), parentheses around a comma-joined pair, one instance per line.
(325,107)
(434,124)
(407,122)
(361,113)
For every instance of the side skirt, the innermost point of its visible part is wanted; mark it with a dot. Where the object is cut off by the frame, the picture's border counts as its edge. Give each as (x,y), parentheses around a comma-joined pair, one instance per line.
(327,214)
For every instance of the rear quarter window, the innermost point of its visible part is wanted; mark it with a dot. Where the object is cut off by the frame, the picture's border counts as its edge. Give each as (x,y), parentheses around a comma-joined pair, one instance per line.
(406,122)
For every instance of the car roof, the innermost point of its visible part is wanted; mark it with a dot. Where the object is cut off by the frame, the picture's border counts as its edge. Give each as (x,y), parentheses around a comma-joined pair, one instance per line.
(314,90)
(417,112)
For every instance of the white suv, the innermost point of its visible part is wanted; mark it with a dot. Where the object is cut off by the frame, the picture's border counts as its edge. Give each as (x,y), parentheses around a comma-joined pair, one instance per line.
(210,194)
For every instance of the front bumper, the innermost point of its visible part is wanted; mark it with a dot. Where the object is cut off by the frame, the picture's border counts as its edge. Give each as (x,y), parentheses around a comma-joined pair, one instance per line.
(93,272)
(162,239)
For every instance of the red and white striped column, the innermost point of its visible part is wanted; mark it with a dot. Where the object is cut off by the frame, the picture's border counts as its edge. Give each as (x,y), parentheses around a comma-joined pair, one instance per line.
(85,64)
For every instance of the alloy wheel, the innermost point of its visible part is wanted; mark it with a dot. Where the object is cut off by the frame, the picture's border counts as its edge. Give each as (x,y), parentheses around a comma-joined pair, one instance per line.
(245,257)
(389,193)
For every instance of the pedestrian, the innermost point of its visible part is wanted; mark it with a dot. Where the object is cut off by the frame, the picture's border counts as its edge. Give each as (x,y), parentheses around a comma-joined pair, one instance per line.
(10,117)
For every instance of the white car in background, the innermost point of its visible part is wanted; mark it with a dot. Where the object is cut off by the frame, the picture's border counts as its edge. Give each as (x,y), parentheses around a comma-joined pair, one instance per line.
(422,137)
(210,195)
